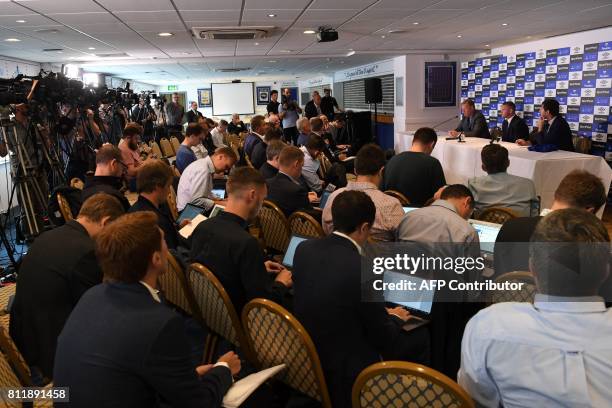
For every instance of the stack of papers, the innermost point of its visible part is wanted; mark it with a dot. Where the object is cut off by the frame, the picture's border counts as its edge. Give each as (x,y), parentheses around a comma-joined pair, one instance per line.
(241,390)
(188,229)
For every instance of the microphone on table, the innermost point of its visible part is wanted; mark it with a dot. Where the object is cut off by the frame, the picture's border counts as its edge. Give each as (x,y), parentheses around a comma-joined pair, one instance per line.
(445,121)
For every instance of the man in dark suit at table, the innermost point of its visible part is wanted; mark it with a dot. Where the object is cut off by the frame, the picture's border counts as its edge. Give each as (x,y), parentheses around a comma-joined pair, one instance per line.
(287,189)
(514,127)
(193,114)
(552,128)
(122,346)
(349,332)
(473,123)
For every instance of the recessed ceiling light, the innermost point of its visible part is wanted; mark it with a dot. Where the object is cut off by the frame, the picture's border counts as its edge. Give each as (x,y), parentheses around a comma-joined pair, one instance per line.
(256,43)
(309,31)
(351,52)
(60,52)
(12,40)
(20,21)
(186,53)
(271,15)
(504,24)
(416,23)
(459,36)
(165,34)
(487,45)
(383,36)
(272,61)
(91,48)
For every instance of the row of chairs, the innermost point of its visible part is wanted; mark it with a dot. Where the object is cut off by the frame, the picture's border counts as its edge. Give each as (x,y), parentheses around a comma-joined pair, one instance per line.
(268,335)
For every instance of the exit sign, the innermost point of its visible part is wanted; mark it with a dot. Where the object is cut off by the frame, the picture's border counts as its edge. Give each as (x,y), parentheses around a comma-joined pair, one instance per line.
(173,87)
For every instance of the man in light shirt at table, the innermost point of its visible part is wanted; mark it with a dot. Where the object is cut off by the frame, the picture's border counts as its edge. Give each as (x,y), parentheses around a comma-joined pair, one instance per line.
(219,134)
(498,188)
(557,351)
(369,165)
(196,182)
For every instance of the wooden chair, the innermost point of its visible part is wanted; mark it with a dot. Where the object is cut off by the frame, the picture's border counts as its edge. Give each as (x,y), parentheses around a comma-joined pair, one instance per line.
(172,203)
(77,183)
(64,207)
(404,384)
(497,215)
(173,283)
(525,294)
(277,337)
(5,295)
(305,225)
(325,165)
(274,226)
(248,161)
(175,144)
(14,357)
(404,201)
(216,308)
(9,379)
(156,150)
(166,147)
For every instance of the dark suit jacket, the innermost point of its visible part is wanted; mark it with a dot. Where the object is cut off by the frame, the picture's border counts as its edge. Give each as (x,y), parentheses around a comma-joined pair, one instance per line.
(310,110)
(349,334)
(250,141)
(236,129)
(122,348)
(476,127)
(105,184)
(258,154)
(287,194)
(518,129)
(193,117)
(59,267)
(267,170)
(164,220)
(559,133)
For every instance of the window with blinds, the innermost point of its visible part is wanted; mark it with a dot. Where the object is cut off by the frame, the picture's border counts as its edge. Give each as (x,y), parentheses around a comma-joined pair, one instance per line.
(354,95)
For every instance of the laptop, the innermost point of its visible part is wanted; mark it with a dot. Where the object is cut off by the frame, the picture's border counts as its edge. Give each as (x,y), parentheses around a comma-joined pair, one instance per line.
(293,244)
(324,196)
(408,209)
(189,213)
(219,192)
(419,304)
(217,209)
(487,234)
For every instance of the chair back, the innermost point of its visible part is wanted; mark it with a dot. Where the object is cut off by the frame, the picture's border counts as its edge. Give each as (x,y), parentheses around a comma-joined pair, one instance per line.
(166,147)
(5,296)
(156,150)
(325,165)
(277,337)
(64,207)
(274,226)
(172,203)
(175,288)
(497,215)
(404,384)
(525,294)
(175,144)
(77,183)
(8,379)
(10,351)
(401,197)
(248,160)
(217,309)
(305,225)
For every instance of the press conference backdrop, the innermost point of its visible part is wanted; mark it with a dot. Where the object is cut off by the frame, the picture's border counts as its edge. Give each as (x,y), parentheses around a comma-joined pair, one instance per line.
(579,77)
(354,95)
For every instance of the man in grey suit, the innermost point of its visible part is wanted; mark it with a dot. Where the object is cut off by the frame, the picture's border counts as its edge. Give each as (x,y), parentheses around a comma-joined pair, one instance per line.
(473,123)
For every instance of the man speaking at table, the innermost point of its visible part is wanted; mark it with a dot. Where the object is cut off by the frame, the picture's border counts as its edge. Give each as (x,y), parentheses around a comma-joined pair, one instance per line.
(473,123)
(552,128)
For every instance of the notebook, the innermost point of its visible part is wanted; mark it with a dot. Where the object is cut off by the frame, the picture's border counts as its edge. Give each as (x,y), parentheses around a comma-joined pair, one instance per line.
(241,390)
(188,229)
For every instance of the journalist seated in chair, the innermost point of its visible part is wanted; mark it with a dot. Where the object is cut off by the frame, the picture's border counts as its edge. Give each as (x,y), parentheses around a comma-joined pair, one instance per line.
(185,155)
(498,188)
(556,351)
(123,339)
(60,266)
(270,168)
(349,334)
(258,154)
(224,245)
(108,175)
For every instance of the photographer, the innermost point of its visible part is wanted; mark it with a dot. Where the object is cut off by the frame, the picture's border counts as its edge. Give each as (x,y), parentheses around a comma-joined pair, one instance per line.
(174,114)
(289,112)
(144,115)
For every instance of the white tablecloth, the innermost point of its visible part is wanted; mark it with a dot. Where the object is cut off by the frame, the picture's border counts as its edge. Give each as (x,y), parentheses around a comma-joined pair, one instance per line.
(461,161)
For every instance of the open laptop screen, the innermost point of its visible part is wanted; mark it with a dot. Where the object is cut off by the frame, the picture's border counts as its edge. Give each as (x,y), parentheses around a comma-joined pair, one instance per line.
(324,198)
(217,209)
(420,300)
(408,209)
(293,243)
(487,234)
(219,192)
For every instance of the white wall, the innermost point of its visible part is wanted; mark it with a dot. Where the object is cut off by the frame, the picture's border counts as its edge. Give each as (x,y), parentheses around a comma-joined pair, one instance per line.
(569,40)
(10,68)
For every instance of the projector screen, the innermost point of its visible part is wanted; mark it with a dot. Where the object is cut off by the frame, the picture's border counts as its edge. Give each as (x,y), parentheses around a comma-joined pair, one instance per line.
(229,98)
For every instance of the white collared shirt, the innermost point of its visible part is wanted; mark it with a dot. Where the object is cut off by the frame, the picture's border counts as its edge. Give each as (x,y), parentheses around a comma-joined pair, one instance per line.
(552,353)
(196,183)
(343,235)
(154,292)
(510,119)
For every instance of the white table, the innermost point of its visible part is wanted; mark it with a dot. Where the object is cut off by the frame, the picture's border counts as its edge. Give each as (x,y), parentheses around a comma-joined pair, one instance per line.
(461,161)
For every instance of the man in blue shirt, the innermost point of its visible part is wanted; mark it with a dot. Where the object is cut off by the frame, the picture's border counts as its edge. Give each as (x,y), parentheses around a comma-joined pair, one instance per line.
(289,112)
(185,156)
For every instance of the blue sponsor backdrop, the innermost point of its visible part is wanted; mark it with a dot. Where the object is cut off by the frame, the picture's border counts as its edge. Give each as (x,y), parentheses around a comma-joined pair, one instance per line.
(579,77)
